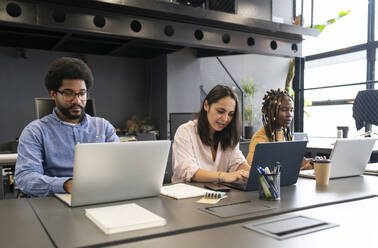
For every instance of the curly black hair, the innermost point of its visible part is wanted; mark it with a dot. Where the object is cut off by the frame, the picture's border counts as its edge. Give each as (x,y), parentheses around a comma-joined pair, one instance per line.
(270,113)
(67,68)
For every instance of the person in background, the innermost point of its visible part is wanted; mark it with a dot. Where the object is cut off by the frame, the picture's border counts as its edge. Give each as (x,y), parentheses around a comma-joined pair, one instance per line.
(277,116)
(207,148)
(46,146)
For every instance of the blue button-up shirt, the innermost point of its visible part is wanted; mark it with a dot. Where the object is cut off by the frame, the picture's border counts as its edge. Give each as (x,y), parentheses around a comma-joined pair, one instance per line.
(46,151)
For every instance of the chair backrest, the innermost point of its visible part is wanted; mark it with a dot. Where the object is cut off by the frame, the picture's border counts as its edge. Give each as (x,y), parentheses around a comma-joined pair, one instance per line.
(365,108)
(177,119)
(45,106)
(168,170)
(244,147)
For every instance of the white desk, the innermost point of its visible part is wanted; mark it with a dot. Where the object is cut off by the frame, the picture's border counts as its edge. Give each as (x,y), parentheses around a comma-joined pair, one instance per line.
(9,158)
(357,220)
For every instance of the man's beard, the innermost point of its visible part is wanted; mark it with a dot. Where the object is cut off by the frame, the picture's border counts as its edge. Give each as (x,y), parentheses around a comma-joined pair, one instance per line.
(68,115)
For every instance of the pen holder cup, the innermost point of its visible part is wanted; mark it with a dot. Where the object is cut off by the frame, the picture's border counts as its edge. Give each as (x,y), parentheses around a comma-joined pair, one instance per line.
(269,186)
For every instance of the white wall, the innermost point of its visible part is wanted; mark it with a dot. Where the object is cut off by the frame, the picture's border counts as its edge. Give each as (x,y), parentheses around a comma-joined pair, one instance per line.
(186,73)
(266,71)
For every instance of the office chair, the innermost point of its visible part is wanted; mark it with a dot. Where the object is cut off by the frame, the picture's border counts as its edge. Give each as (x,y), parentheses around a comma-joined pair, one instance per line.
(45,106)
(244,148)
(177,119)
(365,108)
(168,170)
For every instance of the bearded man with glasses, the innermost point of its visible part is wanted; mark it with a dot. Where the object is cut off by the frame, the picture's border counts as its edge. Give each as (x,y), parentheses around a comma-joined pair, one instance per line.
(46,146)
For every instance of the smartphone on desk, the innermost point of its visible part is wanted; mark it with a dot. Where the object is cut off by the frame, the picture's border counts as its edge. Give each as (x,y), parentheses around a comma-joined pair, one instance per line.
(217,187)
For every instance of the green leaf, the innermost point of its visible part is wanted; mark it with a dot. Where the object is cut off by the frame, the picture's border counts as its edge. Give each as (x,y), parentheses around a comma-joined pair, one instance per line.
(344,13)
(331,21)
(320,27)
(249,87)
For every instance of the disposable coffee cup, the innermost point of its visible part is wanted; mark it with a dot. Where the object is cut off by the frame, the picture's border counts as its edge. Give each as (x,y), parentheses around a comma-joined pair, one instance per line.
(322,169)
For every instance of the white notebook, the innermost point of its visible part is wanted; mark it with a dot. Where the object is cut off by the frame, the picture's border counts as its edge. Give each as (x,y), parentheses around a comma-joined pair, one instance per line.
(123,218)
(182,191)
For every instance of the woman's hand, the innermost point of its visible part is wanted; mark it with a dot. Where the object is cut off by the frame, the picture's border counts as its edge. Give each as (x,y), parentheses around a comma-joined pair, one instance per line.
(233,176)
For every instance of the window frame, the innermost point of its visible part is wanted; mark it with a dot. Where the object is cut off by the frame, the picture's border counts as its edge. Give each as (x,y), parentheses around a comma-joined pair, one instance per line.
(299,85)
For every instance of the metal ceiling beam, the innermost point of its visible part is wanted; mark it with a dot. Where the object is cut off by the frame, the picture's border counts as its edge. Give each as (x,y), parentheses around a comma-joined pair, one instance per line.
(171,11)
(39,15)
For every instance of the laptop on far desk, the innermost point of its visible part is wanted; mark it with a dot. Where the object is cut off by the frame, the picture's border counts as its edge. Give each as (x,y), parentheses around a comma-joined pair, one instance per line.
(288,153)
(349,158)
(107,172)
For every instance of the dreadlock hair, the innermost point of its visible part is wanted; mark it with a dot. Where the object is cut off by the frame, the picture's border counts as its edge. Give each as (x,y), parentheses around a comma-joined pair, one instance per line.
(230,135)
(270,113)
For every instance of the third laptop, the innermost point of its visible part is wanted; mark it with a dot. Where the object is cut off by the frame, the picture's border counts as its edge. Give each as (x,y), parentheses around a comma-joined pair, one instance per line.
(349,158)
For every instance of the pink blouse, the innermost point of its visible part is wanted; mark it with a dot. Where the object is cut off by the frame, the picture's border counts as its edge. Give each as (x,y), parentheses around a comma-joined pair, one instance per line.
(190,154)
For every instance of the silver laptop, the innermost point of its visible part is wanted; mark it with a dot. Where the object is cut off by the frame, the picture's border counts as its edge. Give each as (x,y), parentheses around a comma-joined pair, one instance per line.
(349,158)
(107,172)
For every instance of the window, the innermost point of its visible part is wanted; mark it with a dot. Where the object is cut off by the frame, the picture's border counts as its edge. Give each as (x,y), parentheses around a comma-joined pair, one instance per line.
(347,31)
(329,107)
(323,121)
(336,70)
(337,67)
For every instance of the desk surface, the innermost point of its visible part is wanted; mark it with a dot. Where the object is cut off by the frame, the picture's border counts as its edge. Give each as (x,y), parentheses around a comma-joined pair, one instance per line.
(356,229)
(75,229)
(9,158)
(19,226)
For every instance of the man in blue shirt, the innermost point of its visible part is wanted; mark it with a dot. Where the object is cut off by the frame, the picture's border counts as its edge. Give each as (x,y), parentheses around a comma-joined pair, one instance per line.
(46,146)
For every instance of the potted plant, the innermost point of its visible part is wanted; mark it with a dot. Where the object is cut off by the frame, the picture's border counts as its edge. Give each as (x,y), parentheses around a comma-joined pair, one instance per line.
(138,129)
(249,89)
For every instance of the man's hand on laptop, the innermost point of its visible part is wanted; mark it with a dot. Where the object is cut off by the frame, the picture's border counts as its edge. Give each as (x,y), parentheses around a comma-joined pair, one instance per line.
(67,186)
(234,176)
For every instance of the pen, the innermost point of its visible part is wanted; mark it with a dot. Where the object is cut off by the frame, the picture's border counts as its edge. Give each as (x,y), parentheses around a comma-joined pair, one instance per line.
(277,168)
(260,170)
(271,188)
(265,187)
(268,188)
(267,171)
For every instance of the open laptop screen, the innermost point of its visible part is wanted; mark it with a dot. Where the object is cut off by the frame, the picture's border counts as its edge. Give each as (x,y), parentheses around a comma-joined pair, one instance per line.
(289,154)
(106,172)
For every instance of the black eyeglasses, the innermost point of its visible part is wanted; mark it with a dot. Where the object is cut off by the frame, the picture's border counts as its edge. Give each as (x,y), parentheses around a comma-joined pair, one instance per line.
(69,95)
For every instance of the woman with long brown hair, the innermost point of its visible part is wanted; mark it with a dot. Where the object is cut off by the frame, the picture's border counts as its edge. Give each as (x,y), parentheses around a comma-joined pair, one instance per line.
(207,148)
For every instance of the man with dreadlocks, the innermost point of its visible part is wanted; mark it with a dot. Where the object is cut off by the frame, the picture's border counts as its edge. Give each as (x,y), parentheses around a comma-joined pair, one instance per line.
(277,115)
